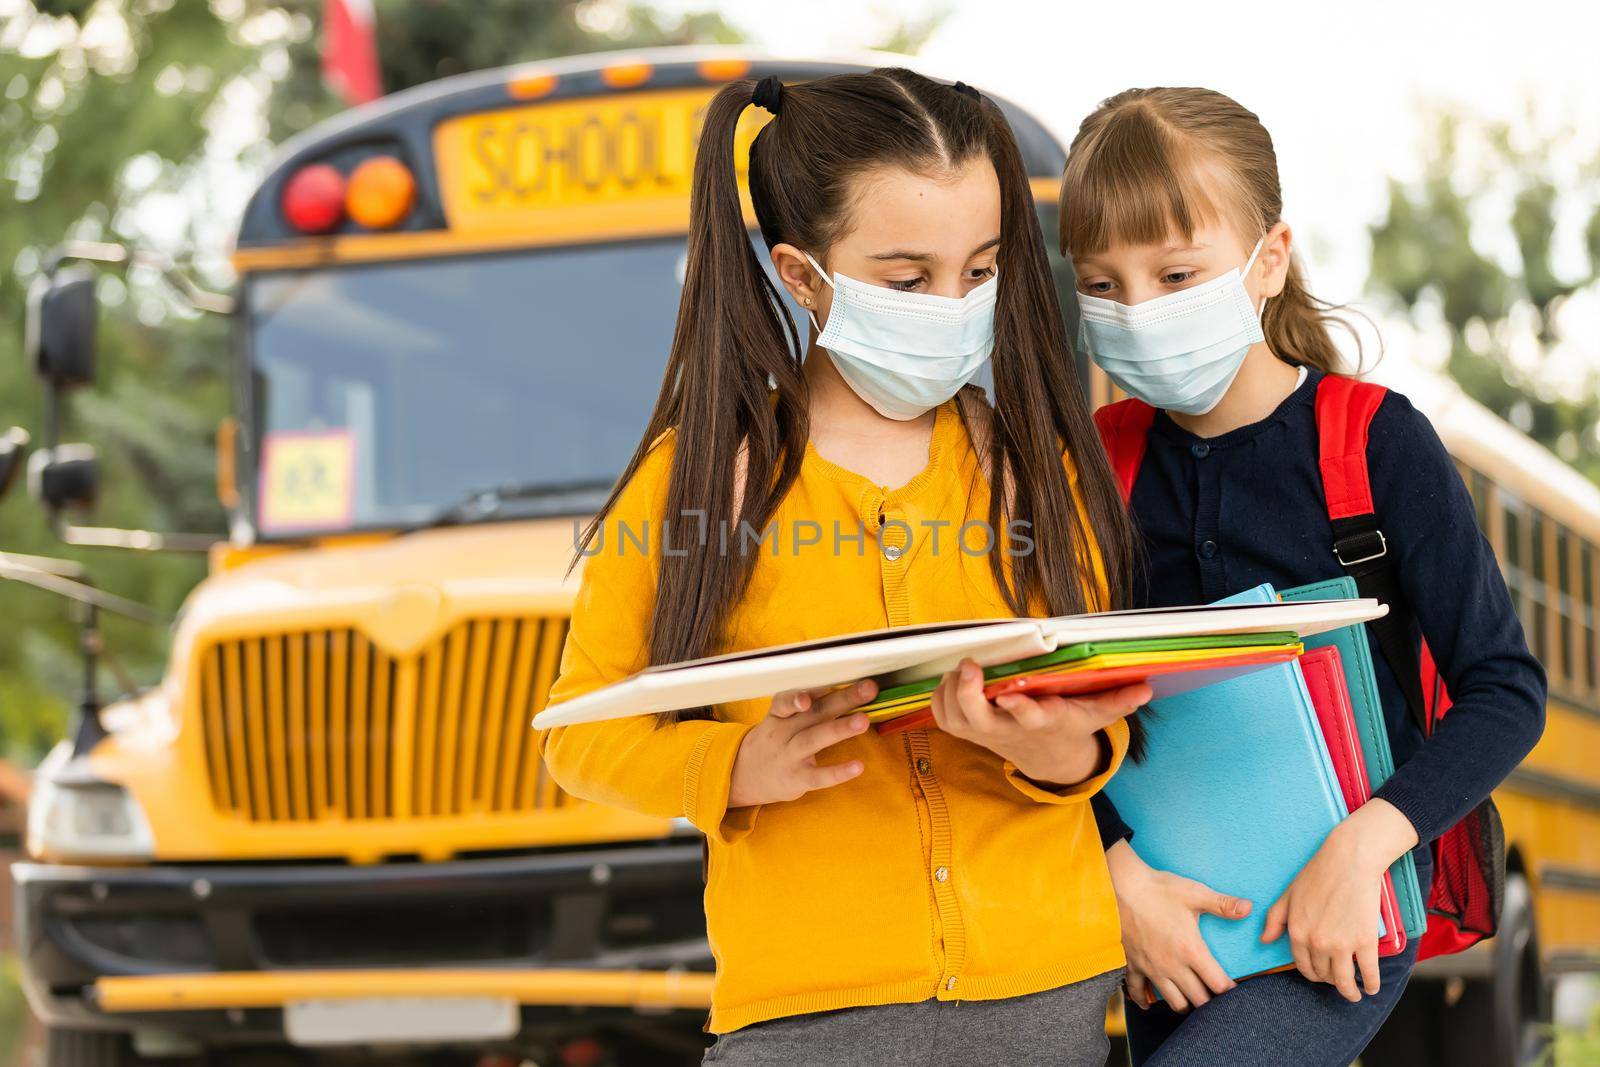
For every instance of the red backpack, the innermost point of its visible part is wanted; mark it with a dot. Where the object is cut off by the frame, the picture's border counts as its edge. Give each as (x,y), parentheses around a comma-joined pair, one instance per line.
(1469,859)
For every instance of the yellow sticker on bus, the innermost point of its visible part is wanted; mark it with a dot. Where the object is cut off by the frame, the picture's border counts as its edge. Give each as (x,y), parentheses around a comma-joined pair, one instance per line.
(607,166)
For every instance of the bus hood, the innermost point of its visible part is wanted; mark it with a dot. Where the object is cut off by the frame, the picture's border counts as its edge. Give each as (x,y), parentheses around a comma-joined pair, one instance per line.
(401,591)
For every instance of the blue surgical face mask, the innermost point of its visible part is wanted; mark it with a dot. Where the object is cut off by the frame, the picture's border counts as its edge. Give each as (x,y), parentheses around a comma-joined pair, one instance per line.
(906,353)
(1181,351)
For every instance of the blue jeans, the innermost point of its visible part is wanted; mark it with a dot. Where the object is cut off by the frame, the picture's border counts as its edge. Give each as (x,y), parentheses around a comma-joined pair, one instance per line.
(1271,1020)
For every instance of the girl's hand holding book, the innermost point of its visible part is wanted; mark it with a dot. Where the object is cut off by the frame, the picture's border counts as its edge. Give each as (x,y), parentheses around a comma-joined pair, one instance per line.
(1160,914)
(1328,908)
(778,758)
(1054,741)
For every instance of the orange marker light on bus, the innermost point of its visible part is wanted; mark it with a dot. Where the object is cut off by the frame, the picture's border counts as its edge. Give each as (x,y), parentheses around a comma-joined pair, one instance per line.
(627,75)
(313,200)
(723,70)
(530,85)
(381,192)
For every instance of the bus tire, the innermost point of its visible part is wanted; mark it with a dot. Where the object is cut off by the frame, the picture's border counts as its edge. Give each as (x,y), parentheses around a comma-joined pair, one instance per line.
(1504,1020)
(1499,1021)
(87,1048)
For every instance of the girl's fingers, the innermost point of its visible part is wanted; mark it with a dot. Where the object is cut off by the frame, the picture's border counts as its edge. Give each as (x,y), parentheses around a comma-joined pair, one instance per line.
(947,709)
(1342,971)
(1211,973)
(1304,962)
(1277,919)
(813,739)
(846,697)
(791,702)
(1367,959)
(824,777)
(1194,990)
(967,689)
(1137,988)
(1204,898)
(1103,709)
(1028,713)
(1174,995)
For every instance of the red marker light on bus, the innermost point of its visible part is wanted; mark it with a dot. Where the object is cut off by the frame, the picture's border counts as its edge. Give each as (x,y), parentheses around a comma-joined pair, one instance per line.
(380,193)
(313,200)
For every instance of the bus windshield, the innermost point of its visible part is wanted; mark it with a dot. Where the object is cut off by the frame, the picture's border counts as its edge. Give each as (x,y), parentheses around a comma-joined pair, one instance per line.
(388,395)
(384,394)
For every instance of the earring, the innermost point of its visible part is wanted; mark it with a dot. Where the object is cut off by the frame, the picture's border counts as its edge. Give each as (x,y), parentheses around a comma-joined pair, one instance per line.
(805,301)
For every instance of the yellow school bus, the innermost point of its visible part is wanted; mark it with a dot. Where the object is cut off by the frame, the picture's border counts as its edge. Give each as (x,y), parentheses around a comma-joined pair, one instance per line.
(328,825)
(1491,1005)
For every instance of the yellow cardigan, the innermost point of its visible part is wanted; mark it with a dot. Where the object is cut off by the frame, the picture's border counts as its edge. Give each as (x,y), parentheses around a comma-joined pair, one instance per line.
(939,872)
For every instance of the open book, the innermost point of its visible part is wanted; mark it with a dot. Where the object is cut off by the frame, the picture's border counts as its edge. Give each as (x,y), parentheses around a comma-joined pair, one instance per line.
(907,653)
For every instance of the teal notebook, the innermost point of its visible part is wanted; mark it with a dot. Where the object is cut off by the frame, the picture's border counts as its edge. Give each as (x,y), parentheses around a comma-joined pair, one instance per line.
(1236,789)
(1356,654)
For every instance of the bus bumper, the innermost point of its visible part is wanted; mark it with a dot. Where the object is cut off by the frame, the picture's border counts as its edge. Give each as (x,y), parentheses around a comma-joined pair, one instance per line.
(216,952)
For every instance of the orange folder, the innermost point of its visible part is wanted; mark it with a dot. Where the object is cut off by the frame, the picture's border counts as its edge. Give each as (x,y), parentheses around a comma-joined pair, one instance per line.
(1166,678)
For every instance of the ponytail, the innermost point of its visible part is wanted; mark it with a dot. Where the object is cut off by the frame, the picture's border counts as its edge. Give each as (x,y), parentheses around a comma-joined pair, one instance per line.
(1299,326)
(731,341)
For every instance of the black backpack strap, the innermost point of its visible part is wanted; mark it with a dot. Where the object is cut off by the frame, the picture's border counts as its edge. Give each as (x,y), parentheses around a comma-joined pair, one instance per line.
(1344,413)
(1362,550)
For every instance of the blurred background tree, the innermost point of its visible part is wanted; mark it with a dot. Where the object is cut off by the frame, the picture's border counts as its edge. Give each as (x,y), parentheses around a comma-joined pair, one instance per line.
(1522,196)
(141,121)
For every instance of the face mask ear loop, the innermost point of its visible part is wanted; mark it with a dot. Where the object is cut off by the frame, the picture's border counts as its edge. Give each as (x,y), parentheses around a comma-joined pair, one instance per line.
(1254,252)
(812,315)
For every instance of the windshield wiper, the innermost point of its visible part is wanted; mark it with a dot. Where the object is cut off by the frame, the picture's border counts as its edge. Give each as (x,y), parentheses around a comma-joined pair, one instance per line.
(552,498)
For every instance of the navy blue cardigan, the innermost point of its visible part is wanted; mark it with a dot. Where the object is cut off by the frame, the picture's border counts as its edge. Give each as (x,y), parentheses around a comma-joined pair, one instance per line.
(1223,514)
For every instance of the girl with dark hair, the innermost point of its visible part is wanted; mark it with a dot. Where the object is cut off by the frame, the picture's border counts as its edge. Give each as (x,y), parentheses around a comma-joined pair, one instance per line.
(938,895)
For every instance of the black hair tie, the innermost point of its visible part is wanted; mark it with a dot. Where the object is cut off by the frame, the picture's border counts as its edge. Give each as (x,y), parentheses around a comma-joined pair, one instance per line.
(966,90)
(768,94)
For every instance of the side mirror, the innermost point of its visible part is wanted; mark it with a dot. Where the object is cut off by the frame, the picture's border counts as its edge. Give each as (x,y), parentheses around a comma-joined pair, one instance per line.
(60,337)
(67,476)
(13,451)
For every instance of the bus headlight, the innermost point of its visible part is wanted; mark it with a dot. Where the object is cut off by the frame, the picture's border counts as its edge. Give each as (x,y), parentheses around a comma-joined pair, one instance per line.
(86,818)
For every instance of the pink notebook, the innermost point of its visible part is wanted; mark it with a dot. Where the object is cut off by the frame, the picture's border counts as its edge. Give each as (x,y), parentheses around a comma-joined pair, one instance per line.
(1330,696)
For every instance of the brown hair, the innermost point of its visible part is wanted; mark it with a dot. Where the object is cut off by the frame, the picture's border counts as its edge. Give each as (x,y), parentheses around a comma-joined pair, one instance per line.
(735,346)
(1147,162)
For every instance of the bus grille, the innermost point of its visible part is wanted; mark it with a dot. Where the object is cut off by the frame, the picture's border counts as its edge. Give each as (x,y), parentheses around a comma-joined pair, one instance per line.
(323,725)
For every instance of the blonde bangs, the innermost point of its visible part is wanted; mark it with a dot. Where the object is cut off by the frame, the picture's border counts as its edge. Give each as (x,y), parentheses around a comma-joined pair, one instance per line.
(1131,181)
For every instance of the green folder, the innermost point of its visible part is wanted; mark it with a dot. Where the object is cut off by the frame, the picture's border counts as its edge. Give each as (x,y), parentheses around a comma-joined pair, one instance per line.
(1072,653)
(1356,654)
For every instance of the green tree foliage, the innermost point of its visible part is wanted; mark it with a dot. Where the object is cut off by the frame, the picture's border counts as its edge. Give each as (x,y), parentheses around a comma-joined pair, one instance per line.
(1482,189)
(103,116)
(119,119)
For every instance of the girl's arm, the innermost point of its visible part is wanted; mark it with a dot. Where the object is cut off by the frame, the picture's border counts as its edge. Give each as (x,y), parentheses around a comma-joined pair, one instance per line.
(672,770)
(1453,586)
(1453,583)
(1109,821)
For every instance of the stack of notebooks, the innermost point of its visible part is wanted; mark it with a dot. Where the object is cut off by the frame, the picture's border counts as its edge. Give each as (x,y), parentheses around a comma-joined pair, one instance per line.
(1171,665)
(1242,781)
(1174,648)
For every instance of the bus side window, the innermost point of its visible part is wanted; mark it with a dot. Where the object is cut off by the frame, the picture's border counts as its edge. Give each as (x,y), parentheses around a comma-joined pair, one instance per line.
(1562,587)
(1511,553)
(1536,589)
(1478,486)
(1589,653)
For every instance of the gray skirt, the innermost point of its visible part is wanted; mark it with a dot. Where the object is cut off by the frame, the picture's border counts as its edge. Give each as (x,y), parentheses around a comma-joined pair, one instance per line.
(1062,1027)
